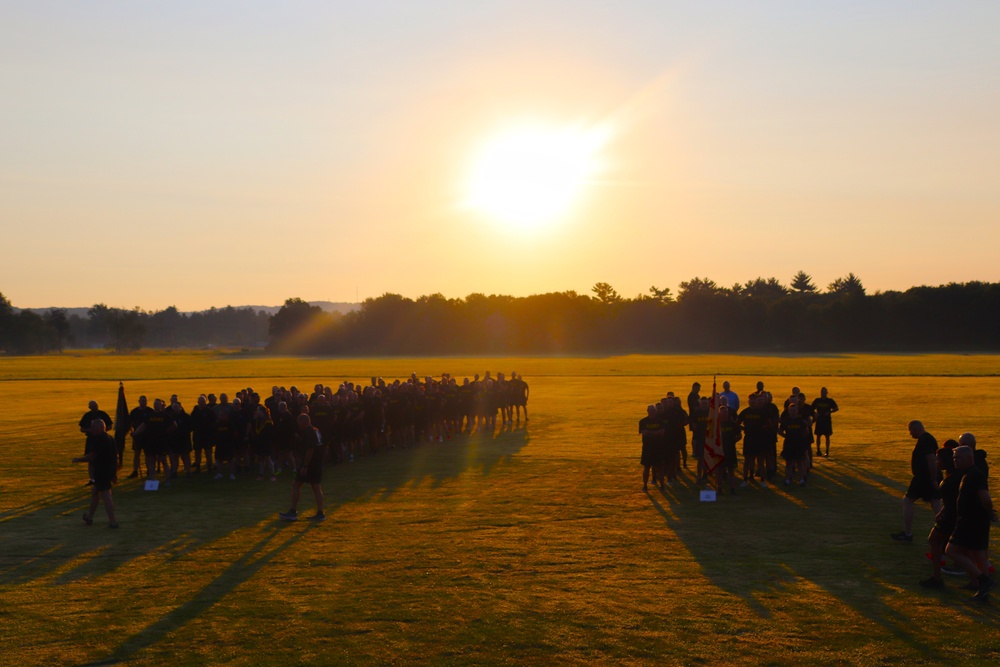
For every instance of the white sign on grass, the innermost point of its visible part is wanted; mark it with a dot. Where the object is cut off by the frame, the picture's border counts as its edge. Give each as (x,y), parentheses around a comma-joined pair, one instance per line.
(152,484)
(708,496)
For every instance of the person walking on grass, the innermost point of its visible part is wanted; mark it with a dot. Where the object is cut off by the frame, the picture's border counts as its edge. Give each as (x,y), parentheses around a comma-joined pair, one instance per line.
(944,521)
(310,472)
(102,455)
(970,540)
(924,485)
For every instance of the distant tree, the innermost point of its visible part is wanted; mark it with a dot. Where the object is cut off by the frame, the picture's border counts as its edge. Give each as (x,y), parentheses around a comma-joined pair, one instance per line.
(126,329)
(6,321)
(662,295)
(606,294)
(849,284)
(768,290)
(59,324)
(699,287)
(295,317)
(802,283)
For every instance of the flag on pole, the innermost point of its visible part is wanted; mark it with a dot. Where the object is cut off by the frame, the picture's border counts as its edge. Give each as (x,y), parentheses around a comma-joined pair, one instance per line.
(713,438)
(122,426)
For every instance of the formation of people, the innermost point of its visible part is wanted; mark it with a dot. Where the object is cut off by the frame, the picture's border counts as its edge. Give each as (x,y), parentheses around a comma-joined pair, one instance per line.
(799,423)
(293,431)
(954,480)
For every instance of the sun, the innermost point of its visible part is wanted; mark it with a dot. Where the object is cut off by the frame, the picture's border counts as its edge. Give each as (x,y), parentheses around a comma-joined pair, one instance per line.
(533,176)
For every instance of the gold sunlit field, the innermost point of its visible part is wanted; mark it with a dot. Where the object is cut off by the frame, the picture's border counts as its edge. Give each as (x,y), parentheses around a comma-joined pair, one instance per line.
(534,544)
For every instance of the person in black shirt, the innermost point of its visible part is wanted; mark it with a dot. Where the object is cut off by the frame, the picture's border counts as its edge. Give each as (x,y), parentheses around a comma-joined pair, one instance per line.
(730,433)
(924,485)
(155,433)
(136,418)
(653,455)
(179,440)
(755,421)
(699,430)
(85,421)
(202,425)
(971,538)
(310,443)
(102,455)
(944,521)
(795,430)
(823,407)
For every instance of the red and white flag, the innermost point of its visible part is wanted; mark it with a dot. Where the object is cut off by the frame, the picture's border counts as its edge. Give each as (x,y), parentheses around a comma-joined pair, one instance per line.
(713,439)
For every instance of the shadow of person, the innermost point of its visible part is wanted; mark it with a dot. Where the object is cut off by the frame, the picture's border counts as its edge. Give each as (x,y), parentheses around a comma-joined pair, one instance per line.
(827,539)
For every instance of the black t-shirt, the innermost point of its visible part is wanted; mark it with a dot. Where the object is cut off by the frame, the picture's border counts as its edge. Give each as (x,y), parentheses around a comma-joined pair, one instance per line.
(105,464)
(794,429)
(824,407)
(949,498)
(91,416)
(926,446)
(138,416)
(970,507)
(754,421)
(647,424)
(202,420)
(157,425)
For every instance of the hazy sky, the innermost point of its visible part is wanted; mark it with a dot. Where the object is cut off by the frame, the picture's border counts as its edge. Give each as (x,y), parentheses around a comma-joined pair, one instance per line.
(213,153)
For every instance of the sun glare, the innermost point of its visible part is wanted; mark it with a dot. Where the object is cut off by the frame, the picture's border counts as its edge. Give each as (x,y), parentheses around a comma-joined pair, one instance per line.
(532,177)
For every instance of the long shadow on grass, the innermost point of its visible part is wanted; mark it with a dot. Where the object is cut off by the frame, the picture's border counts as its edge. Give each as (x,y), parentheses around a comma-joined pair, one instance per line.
(761,545)
(239,572)
(46,539)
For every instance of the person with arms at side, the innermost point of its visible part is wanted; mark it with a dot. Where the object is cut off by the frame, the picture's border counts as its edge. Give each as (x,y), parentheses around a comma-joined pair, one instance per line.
(823,408)
(971,538)
(310,471)
(136,418)
(652,458)
(924,485)
(944,521)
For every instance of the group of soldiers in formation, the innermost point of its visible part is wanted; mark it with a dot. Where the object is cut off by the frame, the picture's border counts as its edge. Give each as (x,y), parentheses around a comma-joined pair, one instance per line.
(288,427)
(799,423)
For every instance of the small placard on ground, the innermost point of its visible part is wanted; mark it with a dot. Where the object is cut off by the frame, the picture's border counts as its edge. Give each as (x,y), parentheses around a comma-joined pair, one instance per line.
(708,496)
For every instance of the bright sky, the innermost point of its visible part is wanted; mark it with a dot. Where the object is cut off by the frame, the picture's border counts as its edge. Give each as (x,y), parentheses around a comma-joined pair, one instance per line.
(214,153)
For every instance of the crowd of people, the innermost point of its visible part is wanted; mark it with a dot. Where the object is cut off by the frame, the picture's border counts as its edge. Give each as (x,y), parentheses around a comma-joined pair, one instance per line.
(799,423)
(291,430)
(954,480)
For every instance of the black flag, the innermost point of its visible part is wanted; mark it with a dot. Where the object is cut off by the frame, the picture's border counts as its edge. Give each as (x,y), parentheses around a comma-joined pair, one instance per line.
(122,426)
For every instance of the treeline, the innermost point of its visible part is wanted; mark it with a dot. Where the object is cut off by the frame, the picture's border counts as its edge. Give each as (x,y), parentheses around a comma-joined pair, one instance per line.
(28,332)
(760,315)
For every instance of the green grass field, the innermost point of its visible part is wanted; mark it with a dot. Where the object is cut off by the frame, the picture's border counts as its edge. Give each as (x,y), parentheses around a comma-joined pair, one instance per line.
(534,545)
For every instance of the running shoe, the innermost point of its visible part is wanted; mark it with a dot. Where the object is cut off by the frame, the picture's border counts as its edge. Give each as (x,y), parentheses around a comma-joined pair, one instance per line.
(902,537)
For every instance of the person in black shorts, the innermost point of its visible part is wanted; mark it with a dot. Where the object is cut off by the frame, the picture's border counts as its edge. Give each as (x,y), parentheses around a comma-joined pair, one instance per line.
(730,432)
(699,430)
(310,443)
(202,427)
(823,407)
(136,418)
(795,430)
(102,455)
(944,521)
(653,454)
(971,538)
(924,485)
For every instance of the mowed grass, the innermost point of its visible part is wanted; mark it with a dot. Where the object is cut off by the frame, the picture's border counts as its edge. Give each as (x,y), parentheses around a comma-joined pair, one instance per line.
(533,545)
